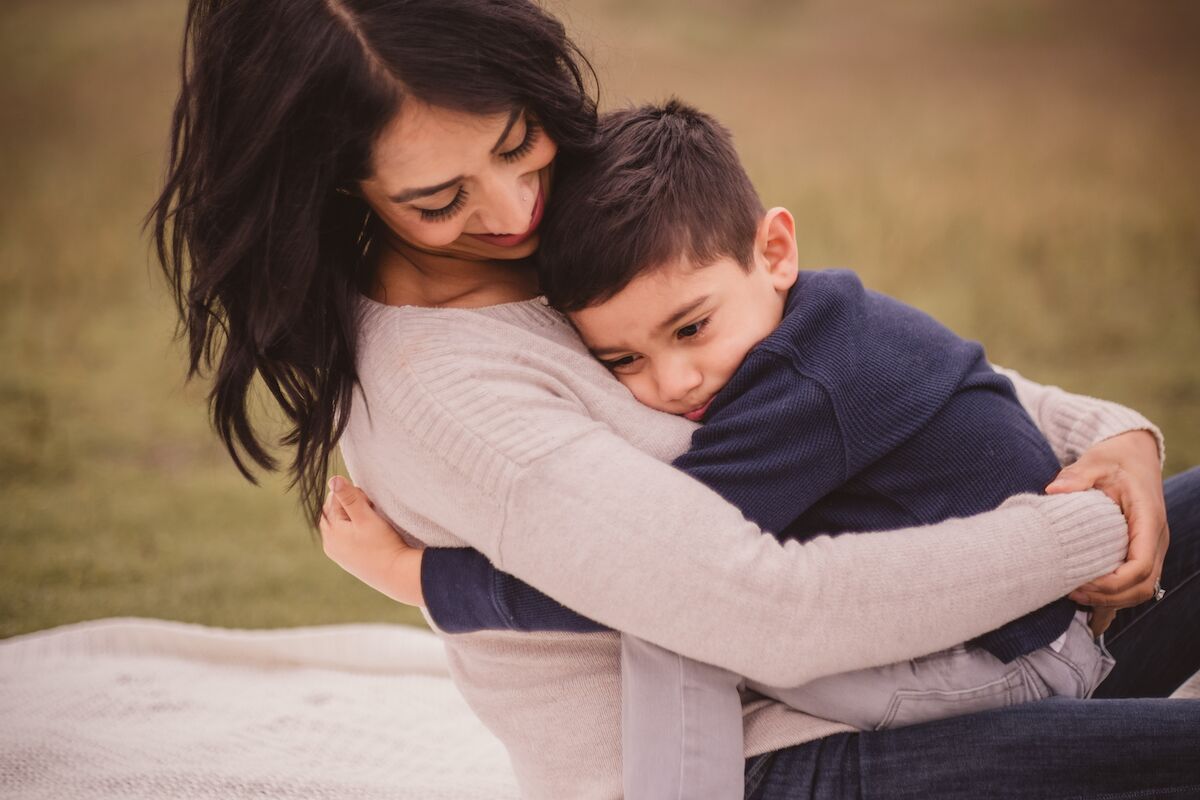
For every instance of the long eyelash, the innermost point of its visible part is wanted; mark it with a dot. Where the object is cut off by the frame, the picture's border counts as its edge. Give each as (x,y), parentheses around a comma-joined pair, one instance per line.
(521,150)
(446,211)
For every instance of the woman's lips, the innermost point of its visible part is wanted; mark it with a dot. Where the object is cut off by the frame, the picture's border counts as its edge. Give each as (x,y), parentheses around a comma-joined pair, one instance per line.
(697,414)
(514,239)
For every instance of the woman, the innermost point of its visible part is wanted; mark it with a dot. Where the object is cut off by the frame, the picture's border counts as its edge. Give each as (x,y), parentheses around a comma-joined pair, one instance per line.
(357,186)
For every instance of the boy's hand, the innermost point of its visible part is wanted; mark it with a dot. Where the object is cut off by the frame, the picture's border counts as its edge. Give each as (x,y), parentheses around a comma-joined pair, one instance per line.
(367,546)
(1127,468)
(1100,619)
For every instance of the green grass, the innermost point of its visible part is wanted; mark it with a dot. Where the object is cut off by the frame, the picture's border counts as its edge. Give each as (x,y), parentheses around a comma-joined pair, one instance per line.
(1025,171)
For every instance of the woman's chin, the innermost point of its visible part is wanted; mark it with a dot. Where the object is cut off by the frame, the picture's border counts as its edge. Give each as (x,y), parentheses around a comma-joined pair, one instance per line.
(475,247)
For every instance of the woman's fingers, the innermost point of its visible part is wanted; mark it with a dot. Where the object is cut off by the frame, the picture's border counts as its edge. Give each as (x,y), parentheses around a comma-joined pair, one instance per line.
(1126,468)
(1078,477)
(1128,586)
(1133,582)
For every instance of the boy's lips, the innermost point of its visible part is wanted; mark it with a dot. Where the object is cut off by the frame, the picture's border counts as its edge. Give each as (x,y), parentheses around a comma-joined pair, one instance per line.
(697,414)
(514,239)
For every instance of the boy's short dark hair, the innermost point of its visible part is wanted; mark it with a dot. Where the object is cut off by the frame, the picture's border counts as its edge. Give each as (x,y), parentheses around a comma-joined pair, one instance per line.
(663,182)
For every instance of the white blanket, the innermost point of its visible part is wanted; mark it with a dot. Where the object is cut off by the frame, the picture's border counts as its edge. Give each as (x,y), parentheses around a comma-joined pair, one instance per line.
(132,708)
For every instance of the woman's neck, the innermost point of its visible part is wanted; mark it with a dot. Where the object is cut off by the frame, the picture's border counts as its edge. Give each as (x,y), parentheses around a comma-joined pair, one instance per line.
(406,276)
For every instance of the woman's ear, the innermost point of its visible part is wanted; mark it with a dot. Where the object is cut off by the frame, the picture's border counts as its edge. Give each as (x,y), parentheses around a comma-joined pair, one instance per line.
(775,247)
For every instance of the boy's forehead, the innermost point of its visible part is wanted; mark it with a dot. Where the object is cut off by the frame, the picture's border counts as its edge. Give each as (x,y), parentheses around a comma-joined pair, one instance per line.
(663,284)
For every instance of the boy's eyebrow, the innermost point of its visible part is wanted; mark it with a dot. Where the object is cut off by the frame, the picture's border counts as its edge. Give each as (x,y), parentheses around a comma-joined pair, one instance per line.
(405,195)
(681,313)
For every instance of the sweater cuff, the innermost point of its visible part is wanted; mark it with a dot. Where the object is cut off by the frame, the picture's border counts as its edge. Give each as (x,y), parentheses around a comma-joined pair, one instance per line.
(455,582)
(1092,532)
(1083,422)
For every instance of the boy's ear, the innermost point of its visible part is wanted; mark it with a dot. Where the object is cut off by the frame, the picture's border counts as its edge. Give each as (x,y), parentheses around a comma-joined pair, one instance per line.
(775,247)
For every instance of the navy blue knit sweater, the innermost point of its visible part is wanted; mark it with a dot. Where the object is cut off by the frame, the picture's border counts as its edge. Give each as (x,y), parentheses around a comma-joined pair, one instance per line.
(858,413)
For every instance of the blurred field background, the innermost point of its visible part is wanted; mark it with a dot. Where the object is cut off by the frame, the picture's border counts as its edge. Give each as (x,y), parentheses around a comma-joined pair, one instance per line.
(1025,170)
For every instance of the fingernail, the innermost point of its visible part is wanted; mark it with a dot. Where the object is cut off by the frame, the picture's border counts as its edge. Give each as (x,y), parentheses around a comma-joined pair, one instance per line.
(337,483)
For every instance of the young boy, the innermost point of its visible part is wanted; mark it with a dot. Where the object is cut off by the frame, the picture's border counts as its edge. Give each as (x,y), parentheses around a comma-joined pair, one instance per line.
(826,408)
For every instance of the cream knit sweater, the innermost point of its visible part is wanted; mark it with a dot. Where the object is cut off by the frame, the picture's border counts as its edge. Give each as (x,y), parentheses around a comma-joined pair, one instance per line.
(495,428)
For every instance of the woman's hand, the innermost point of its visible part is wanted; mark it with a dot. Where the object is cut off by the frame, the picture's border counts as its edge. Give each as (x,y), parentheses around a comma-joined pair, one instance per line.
(366,545)
(1128,469)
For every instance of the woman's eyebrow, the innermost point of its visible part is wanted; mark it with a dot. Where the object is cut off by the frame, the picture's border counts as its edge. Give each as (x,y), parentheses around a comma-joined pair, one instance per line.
(412,194)
(513,116)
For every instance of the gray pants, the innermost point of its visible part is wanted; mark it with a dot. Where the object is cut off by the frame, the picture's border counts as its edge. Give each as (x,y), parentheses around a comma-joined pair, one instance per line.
(682,719)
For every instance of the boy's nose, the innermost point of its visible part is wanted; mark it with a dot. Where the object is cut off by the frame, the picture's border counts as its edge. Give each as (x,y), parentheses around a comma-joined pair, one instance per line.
(678,380)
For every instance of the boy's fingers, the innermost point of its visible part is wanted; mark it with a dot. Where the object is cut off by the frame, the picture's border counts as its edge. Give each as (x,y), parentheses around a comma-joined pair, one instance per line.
(352,501)
(333,511)
(1100,619)
(325,526)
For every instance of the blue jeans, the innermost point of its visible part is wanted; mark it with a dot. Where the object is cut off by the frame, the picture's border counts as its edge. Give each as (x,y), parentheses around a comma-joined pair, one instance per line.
(1119,747)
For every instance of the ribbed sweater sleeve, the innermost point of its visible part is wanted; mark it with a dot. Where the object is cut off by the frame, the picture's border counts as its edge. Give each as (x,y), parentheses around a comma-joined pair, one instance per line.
(502,455)
(1074,422)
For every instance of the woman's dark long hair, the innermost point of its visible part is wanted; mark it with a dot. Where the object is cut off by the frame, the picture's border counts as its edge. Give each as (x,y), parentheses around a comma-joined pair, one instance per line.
(280,105)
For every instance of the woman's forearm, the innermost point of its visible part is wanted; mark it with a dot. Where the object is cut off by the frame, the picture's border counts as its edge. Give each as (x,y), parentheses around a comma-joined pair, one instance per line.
(676,565)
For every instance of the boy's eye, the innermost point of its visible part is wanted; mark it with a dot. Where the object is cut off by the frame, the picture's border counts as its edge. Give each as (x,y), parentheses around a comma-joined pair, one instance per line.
(688,331)
(448,210)
(521,150)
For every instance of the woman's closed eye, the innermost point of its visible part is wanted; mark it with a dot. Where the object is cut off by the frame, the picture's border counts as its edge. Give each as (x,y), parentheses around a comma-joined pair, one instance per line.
(520,151)
(448,210)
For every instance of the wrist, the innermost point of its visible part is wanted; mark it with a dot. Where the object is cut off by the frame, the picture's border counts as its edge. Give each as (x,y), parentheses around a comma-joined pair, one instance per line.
(404,579)
(1144,441)
(418,558)
(1114,422)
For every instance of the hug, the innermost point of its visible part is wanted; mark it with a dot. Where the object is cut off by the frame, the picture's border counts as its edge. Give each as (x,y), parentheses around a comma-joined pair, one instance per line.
(691,522)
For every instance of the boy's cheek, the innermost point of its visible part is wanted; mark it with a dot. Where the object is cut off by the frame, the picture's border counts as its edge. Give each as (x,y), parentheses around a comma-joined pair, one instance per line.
(640,391)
